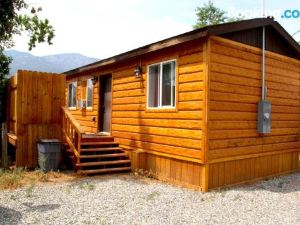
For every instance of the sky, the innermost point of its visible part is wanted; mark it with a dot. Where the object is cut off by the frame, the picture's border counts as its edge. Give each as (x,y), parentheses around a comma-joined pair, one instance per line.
(103,28)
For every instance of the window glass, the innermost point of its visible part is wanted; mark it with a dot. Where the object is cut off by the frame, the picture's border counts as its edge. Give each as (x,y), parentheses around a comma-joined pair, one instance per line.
(89,100)
(161,84)
(72,95)
(168,84)
(153,98)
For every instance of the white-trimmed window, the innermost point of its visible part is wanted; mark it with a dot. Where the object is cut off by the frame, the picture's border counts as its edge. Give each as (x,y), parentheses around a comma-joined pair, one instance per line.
(162,85)
(72,95)
(89,93)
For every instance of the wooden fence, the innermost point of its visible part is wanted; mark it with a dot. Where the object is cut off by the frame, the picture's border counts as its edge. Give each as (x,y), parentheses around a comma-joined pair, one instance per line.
(34,112)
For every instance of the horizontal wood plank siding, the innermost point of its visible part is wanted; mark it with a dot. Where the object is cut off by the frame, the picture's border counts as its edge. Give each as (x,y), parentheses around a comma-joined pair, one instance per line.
(236,152)
(88,118)
(235,90)
(165,142)
(176,132)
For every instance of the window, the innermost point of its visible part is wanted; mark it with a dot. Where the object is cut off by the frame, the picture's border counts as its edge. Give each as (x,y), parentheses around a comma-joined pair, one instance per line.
(72,95)
(161,85)
(89,93)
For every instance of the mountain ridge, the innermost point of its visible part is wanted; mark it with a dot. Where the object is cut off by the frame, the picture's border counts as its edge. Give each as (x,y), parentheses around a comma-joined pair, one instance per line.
(57,63)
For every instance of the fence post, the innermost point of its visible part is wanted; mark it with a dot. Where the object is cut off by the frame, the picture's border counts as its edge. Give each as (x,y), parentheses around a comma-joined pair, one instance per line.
(4,145)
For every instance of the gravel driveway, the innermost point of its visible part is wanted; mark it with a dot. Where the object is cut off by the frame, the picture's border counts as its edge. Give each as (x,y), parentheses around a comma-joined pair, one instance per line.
(126,199)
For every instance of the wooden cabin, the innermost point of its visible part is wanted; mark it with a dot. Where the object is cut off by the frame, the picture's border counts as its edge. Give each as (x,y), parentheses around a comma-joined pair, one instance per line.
(187,109)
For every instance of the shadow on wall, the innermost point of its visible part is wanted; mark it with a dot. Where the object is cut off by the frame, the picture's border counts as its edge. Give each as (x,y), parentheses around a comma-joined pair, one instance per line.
(10,216)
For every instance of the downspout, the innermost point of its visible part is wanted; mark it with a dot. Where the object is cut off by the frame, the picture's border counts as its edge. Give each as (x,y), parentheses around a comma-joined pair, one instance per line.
(264,107)
(263,65)
(263,48)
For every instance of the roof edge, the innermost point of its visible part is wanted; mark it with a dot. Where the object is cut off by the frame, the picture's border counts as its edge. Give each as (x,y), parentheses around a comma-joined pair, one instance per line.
(190,36)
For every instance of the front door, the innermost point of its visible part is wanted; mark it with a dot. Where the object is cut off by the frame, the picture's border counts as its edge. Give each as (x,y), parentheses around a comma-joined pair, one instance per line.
(105,104)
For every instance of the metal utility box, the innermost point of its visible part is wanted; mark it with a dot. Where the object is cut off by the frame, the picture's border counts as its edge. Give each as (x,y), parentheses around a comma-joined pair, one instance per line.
(49,151)
(264,117)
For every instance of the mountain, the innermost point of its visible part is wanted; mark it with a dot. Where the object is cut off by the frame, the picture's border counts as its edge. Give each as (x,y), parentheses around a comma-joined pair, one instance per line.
(52,63)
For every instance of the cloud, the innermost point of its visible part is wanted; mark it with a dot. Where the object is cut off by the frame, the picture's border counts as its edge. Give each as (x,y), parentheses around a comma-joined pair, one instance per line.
(104,28)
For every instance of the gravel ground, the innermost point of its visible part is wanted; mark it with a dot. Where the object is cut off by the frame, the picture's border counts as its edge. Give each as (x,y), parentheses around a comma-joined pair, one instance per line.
(126,199)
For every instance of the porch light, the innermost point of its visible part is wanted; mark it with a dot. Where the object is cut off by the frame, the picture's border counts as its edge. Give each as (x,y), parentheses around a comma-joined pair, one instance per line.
(138,72)
(94,80)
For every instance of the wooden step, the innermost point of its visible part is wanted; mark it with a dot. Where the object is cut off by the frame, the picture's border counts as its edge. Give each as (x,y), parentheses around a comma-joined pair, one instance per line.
(103,163)
(103,156)
(99,149)
(120,169)
(97,138)
(99,143)
(92,135)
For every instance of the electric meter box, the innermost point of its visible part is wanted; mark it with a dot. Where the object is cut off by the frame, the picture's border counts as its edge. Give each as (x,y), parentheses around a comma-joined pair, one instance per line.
(264,117)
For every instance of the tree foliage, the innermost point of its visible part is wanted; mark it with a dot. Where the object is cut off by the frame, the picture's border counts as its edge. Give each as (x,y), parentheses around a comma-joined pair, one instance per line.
(17,17)
(209,14)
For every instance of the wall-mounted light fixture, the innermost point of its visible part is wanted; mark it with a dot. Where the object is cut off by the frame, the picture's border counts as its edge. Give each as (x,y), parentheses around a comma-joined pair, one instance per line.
(94,80)
(138,72)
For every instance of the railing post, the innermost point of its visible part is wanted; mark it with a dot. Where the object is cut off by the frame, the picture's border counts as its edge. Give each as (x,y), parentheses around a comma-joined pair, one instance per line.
(72,132)
(79,143)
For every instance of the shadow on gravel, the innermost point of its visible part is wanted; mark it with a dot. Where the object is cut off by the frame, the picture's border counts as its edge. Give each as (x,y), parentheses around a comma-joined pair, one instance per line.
(9,216)
(283,184)
(40,208)
(108,177)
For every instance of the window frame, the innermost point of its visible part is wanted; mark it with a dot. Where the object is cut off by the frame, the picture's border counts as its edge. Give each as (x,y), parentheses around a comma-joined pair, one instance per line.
(87,91)
(160,106)
(75,85)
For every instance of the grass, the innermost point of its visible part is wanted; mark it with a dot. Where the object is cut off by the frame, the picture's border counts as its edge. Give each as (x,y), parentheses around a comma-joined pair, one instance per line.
(87,186)
(10,179)
(152,196)
(144,173)
(21,177)
(29,190)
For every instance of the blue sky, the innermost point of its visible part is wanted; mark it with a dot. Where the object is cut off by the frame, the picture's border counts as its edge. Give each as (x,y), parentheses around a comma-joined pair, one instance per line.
(100,29)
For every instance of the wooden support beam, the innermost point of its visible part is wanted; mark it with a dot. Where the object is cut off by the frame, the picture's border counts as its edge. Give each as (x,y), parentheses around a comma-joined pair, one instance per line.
(4,145)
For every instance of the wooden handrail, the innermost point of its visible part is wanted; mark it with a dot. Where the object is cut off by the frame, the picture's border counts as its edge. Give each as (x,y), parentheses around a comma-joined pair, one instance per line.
(72,132)
(72,120)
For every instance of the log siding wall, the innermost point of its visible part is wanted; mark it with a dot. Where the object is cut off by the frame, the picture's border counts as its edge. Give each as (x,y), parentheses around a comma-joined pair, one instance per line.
(238,152)
(173,131)
(88,118)
(158,140)
(209,140)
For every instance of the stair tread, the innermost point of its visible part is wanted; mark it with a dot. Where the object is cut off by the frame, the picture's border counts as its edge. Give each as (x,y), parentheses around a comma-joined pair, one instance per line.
(99,149)
(104,170)
(103,155)
(102,163)
(96,136)
(99,143)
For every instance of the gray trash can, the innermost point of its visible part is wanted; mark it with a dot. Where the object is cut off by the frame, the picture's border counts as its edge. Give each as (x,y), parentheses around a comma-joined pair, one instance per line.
(49,151)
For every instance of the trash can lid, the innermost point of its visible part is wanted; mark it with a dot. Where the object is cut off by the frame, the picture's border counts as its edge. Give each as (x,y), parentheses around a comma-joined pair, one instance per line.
(49,140)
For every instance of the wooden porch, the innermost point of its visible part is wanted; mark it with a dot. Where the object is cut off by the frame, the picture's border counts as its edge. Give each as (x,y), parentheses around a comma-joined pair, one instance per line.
(37,111)
(92,153)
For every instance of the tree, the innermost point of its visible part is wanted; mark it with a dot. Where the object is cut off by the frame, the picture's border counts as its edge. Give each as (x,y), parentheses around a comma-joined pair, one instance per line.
(17,17)
(209,14)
